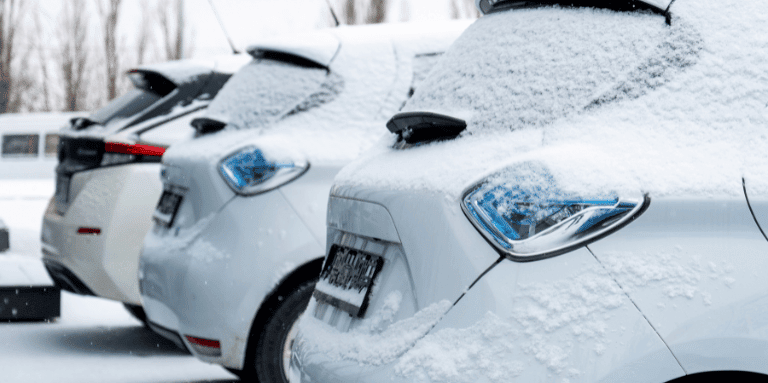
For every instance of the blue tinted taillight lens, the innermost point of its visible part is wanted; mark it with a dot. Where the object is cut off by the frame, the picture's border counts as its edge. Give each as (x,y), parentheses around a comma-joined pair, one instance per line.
(249,172)
(526,215)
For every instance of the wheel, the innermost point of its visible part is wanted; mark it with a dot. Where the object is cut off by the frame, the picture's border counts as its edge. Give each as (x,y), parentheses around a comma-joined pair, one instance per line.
(272,348)
(137,312)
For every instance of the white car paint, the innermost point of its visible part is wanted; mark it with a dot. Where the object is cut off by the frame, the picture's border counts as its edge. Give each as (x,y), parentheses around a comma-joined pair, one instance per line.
(209,273)
(677,291)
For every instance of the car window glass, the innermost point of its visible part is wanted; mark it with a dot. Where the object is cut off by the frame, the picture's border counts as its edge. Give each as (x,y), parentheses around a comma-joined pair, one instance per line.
(125,106)
(531,67)
(20,145)
(173,131)
(51,144)
(265,90)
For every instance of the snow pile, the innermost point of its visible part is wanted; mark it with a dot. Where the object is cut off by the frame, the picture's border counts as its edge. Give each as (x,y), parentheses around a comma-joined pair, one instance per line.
(552,324)
(374,341)
(605,100)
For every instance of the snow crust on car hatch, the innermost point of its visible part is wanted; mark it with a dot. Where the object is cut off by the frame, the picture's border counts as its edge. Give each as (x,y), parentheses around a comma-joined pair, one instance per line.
(605,100)
(263,91)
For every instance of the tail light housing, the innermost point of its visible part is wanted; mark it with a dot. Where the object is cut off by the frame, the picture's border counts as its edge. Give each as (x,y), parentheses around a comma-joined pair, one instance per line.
(525,215)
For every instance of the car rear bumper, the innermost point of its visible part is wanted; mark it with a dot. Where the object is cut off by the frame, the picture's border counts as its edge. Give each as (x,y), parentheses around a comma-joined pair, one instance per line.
(118,201)
(210,279)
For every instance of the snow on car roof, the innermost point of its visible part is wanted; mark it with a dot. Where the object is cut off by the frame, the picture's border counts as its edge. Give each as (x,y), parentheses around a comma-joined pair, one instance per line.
(370,59)
(678,109)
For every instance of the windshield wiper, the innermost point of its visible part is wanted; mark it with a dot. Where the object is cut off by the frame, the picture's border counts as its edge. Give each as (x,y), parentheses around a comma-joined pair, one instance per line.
(206,125)
(420,127)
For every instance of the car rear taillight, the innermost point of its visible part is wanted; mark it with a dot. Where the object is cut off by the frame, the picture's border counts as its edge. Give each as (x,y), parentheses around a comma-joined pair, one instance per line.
(116,153)
(206,347)
(89,230)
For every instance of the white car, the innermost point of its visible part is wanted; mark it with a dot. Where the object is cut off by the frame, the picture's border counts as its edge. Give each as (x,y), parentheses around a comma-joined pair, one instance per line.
(240,229)
(107,179)
(574,194)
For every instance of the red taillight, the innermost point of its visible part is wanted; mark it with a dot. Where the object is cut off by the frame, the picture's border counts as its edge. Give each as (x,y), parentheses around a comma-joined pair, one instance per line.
(136,149)
(206,347)
(204,342)
(89,230)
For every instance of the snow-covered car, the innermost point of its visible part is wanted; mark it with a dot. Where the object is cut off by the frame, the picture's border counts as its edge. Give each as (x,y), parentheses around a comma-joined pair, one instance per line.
(577,193)
(240,230)
(107,178)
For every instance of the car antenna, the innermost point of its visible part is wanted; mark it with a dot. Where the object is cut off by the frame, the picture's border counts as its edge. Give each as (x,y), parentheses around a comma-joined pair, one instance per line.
(223,29)
(667,15)
(330,7)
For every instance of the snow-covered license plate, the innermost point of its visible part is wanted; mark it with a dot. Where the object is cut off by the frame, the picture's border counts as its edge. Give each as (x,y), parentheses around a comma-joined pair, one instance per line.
(167,208)
(346,279)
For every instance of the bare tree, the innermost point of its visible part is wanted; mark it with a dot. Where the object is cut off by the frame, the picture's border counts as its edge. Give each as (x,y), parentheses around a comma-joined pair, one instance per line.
(10,19)
(40,49)
(377,11)
(144,36)
(73,53)
(374,11)
(349,12)
(109,10)
(461,9)
(172,25)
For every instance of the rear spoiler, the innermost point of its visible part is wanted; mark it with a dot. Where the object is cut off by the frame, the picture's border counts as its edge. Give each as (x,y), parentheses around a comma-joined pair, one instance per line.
(315,49)
(490,6)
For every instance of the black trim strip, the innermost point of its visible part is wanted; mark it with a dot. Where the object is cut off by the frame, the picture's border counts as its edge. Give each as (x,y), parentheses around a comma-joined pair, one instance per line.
(744,186)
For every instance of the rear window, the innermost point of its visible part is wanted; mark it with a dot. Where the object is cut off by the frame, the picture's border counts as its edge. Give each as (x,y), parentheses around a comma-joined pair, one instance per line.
(530,67)
(20,145)
(125,106)
(266,90)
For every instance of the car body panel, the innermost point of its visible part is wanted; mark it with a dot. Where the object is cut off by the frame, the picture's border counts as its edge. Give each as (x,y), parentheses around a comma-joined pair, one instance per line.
(180,273)
(114,200)
(269,235)
(690,265)
(563,318)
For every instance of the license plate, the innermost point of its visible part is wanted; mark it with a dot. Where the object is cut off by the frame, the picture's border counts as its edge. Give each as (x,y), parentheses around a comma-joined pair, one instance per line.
(166,208)
(62,192)
(346,279)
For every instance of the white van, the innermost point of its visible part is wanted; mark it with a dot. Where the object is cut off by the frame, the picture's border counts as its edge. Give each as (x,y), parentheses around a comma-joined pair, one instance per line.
(28,143)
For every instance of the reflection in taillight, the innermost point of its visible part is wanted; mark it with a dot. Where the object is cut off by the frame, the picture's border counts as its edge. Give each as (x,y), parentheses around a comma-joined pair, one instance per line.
(135,149)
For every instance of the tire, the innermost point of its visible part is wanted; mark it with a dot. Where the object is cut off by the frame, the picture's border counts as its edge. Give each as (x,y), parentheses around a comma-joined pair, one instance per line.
(137,312)
(272,346)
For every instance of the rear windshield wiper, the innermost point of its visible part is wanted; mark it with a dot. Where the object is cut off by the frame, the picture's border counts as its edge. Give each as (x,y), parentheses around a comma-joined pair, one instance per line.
(207,125)
(420,127)
(490,6)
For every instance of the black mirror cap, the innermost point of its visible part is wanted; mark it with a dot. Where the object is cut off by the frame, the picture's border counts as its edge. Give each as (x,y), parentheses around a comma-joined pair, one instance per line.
(205,125)
(419,127)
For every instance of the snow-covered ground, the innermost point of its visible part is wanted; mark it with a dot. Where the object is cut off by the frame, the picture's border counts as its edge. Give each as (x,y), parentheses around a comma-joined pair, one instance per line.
(94,340)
